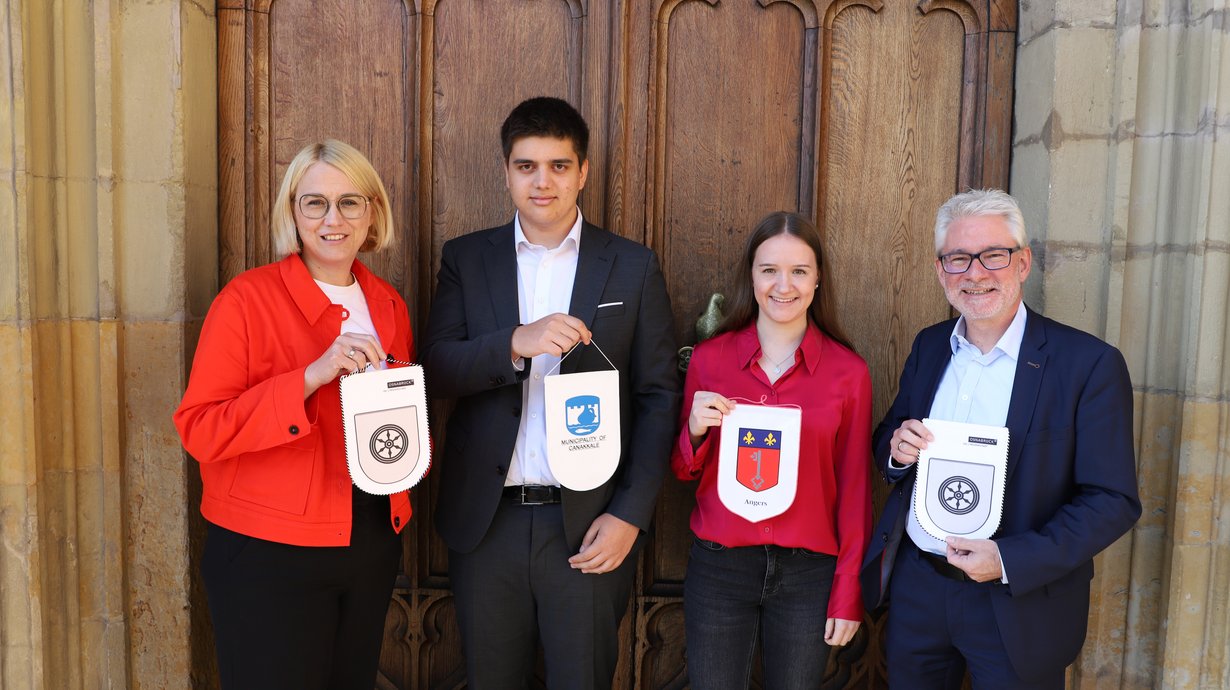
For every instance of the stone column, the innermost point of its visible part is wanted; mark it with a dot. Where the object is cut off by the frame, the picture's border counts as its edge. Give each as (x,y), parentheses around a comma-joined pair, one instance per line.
(107,237)
(1122,165)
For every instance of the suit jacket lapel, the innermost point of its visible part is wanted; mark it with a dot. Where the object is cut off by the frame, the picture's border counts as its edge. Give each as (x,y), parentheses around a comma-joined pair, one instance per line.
(500,262)
(1030,366)
(593,266)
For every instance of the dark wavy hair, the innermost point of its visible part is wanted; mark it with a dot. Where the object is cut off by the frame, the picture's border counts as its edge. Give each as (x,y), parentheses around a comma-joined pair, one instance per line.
(545,117)
(741,307)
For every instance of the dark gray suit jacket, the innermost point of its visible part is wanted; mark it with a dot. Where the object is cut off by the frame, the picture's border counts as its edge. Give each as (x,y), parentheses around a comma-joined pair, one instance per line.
(466,355)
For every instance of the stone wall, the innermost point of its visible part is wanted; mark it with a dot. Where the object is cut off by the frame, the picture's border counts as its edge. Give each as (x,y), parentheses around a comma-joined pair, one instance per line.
(107,237)
(1122,164)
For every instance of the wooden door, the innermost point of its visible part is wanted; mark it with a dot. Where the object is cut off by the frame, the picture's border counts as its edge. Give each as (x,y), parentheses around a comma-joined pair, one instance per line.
(705,115)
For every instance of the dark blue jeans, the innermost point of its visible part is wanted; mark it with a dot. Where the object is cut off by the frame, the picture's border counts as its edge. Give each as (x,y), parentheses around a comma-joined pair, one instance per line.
(732,596)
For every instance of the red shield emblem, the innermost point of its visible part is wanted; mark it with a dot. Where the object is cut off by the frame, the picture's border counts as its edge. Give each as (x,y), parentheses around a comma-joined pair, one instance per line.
(759,458)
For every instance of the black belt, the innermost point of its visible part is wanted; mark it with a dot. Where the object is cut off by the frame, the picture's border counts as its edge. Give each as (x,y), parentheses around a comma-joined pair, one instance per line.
(532,494)
(943,567)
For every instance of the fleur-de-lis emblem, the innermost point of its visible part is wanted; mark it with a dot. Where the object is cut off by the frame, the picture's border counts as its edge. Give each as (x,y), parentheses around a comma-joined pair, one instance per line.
(748,438)
(770,440)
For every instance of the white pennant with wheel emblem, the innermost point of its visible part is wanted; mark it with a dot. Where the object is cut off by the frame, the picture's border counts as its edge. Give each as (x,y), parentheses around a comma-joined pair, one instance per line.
(962,475)
(959,490)
(384,415)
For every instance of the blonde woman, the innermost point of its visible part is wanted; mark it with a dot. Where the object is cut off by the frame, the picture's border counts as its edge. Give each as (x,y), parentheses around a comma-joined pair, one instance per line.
(298,565)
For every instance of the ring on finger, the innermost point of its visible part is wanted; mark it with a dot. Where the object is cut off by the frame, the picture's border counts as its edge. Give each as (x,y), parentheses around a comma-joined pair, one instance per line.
(351,353)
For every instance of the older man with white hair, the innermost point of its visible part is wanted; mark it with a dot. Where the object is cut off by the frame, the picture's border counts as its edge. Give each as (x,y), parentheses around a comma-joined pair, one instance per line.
(1011,609)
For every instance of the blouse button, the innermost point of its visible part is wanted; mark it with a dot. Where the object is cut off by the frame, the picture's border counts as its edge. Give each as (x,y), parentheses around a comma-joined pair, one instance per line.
(294,430)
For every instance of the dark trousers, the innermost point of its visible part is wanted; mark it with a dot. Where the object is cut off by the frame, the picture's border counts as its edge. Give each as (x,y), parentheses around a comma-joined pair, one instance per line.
(733,596)
(517,587)
(301,617)
(937,627)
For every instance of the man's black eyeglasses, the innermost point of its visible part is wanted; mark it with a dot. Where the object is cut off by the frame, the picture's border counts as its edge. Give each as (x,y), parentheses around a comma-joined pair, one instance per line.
(991,259)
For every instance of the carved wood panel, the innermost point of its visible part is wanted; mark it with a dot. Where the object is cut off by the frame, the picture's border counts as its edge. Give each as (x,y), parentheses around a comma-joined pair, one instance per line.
(704,115)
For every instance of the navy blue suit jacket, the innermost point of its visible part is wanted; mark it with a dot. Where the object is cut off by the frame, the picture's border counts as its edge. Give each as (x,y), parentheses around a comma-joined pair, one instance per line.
(466,355)
(1071,484)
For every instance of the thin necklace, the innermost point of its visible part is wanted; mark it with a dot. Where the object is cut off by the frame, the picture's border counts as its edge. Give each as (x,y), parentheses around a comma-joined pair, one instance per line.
(777,368)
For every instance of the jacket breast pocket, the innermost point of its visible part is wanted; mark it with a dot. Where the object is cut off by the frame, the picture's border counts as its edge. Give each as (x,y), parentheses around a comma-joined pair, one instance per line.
(277,478)
(608,309)
(1047,436)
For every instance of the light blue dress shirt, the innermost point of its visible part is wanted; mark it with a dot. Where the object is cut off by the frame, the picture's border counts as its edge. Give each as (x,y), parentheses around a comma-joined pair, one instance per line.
(976,388)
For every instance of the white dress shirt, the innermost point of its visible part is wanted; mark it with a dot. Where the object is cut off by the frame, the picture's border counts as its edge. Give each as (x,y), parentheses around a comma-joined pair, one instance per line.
(976,388)
(544,287)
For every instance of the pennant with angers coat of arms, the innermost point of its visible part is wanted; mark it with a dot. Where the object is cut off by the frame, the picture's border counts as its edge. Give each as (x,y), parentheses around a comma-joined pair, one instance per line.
(758,460)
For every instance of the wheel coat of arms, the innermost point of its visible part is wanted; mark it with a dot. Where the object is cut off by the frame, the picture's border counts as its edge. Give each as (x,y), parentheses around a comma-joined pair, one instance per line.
(388,444)
(958,495)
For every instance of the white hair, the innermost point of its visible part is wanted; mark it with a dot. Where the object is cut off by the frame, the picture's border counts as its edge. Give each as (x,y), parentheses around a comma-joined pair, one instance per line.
(978,203)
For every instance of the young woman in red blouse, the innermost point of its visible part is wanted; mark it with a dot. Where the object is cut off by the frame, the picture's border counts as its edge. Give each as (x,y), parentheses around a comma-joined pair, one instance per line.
(791,580)
(299,565)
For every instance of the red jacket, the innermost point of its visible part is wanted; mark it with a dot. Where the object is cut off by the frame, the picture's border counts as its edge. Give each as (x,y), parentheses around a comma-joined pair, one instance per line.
(273,465)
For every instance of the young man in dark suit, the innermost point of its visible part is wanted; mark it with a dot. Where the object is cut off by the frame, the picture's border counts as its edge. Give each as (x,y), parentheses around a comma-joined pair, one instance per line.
(1011,609)
(530,560)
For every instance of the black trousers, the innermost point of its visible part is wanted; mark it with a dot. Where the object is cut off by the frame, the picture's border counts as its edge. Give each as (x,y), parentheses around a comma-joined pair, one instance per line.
(517,588)
(302,617)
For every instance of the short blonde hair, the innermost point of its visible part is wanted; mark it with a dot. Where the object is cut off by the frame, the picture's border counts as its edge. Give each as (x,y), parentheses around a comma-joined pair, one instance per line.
(357,169)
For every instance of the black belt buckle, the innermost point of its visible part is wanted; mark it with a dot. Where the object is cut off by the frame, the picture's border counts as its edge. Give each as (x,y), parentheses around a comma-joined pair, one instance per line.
(533,494)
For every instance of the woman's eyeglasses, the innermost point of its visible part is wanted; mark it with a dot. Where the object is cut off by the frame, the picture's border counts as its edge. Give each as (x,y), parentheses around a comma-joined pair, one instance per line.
(316,206)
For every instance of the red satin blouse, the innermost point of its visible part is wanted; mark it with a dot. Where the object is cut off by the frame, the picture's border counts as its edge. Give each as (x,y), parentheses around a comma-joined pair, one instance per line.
(831,512)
